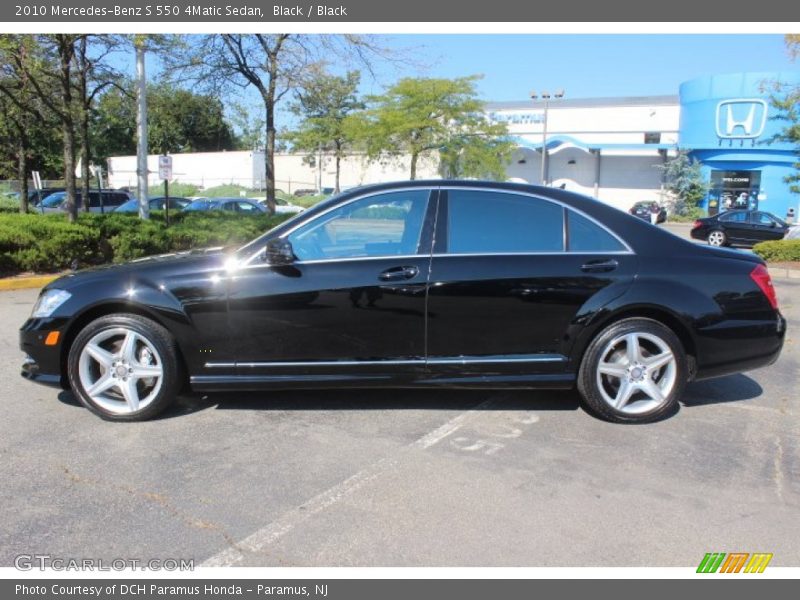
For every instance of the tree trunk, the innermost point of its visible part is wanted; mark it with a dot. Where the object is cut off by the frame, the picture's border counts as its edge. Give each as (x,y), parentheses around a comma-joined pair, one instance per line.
(85,174)
(338,166)
(414,157)
(269,154)
(22,172)
(66,52)
(68,134)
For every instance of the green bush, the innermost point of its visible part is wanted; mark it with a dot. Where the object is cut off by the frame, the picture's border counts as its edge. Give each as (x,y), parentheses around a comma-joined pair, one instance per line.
(177,189)
(47,243)
(9,205)
(691,213)
(778,250)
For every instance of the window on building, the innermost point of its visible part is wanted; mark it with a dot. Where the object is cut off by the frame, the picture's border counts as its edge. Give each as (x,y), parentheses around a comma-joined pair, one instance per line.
(652,137)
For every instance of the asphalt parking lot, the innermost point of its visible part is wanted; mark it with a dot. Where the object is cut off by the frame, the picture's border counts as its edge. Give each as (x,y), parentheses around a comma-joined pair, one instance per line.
(377,478)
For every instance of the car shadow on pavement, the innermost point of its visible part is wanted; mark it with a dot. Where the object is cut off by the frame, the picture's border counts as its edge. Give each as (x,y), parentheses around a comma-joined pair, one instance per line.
(733,388)
(377,399)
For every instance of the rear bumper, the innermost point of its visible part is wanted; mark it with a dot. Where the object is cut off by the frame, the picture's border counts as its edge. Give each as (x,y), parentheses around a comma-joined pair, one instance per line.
(734,348)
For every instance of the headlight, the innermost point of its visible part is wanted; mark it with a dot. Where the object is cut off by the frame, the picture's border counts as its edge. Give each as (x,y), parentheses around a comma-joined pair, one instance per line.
(48,302)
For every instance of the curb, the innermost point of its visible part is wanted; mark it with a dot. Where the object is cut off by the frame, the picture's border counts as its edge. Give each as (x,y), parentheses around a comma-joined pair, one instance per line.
(25,283)
(783,273)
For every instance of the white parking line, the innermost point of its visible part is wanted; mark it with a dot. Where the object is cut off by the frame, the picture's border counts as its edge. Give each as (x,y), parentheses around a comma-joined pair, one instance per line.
(294,517)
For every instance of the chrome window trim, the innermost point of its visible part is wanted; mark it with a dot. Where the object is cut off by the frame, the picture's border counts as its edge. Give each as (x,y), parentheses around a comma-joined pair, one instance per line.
(438,255)
(247,262)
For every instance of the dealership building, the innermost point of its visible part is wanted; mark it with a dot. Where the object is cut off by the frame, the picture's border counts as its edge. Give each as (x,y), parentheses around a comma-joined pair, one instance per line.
(612,148)
(609,148)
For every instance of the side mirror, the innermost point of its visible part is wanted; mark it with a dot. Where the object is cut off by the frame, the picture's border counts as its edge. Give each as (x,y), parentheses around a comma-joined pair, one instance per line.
(279,252)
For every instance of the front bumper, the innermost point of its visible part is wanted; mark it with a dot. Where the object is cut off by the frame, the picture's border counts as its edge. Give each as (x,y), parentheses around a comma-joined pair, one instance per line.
(42,362)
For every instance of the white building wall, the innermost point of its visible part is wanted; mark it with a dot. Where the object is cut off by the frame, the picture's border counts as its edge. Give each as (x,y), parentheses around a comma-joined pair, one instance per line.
(209,169)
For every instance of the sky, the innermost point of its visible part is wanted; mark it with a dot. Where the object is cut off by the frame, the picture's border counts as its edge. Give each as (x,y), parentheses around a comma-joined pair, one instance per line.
(588,66)
(584,65)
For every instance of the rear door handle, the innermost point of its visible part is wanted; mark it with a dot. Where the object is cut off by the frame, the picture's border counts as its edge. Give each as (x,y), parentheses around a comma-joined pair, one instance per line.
(399,274)
(603,265)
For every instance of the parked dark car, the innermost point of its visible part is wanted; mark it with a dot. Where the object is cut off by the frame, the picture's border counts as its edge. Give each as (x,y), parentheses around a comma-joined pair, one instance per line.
(157,203)
(438,284)
(643,210)
(111,199)
(739,228)
(36,196)
(237,205)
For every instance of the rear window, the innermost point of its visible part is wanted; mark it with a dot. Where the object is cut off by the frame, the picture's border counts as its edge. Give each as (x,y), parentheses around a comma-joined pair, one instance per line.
(587,236)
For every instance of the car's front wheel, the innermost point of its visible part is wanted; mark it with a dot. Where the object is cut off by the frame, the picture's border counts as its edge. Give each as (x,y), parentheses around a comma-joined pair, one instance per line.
(124,367)
(717,238)
(634,371)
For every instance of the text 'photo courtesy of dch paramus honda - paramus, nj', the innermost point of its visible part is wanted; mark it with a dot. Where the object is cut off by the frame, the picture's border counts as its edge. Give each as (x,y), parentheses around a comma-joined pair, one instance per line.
(416,284)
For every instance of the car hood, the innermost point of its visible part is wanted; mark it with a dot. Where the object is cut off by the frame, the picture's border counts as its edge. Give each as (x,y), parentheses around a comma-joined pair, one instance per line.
(151,267)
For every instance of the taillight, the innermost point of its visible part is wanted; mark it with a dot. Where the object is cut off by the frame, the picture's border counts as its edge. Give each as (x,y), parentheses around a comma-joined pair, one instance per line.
(761,276)
(697,224)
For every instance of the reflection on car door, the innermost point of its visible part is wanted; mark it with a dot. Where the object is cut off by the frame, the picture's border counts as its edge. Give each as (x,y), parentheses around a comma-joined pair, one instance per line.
(504,289)
(764,227)
(353,302)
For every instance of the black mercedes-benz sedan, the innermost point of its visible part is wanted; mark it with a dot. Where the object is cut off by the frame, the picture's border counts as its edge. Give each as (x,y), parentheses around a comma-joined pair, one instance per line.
(416,284)
(740,228)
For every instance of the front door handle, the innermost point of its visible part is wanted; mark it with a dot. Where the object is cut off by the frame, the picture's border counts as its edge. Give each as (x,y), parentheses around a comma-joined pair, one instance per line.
(602,265)
(399,274)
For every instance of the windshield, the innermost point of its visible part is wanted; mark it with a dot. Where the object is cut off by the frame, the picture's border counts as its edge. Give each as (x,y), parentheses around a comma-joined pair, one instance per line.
(197,205)
(129,206)
(54,200)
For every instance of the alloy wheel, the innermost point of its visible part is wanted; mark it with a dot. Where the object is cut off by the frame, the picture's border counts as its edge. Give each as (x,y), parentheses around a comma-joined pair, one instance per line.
(636,373)
(120,370)
(716,238)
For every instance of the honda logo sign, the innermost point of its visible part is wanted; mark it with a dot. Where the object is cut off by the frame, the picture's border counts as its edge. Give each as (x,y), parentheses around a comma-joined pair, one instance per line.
(741,119)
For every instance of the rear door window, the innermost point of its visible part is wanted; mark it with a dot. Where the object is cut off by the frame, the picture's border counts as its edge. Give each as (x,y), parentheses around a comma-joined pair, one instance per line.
(494,222)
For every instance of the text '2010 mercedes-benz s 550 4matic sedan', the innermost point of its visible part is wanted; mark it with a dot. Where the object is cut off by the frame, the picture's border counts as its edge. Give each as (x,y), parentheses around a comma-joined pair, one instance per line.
(416,284)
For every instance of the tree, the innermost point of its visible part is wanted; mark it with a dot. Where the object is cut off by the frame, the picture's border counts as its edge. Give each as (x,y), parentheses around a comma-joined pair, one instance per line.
(327,104)
(27,138)
(444,116)
(684,180)
(271,64)
(45,62)
(786,101)
(179,120)
(92,75)
(247,125)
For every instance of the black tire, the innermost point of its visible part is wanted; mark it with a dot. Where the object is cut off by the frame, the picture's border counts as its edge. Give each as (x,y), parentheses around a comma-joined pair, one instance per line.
(720,232)
(588,373)
(157,336)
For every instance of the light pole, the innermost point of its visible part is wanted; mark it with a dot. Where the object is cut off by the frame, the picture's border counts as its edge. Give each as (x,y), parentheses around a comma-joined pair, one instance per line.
(545,96)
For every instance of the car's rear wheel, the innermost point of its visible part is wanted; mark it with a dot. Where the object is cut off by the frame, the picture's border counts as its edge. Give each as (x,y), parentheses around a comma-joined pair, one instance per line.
(124,367)
(717,238)
(634,371)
